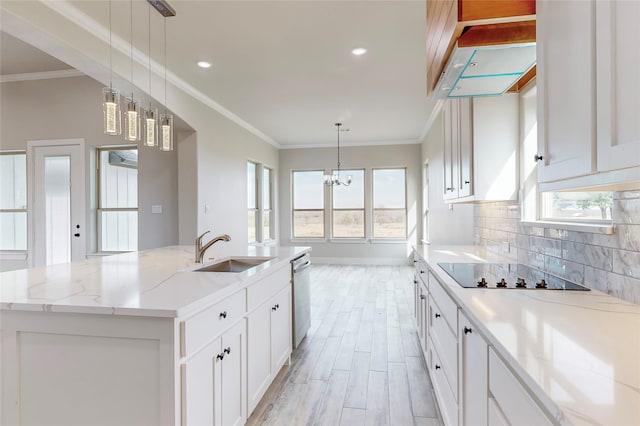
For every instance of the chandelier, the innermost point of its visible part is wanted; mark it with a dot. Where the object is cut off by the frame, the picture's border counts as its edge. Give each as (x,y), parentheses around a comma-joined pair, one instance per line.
(334,178)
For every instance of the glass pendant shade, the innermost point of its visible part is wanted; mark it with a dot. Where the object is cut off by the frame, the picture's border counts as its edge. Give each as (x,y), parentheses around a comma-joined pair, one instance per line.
(150,127)
(166,132)
(132,121)
(111,111)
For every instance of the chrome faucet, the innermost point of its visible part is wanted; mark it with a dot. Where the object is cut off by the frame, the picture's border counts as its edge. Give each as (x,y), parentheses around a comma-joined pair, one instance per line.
(200,249)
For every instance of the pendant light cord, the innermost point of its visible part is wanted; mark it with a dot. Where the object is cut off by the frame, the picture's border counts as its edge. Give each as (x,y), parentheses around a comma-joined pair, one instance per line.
(338,126)
(131,42)
(165,66)
(149,54)
(110,53)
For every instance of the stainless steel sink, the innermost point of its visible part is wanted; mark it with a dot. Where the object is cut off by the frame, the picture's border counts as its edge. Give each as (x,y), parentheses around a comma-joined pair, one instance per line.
(234,264)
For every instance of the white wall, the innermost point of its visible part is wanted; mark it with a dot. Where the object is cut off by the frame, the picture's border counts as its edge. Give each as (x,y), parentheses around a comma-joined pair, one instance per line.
(448,224)
(354,157)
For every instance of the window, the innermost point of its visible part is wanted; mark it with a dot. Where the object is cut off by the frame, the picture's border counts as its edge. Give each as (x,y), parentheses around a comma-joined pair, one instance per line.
(117,199)
(252,201)
(389,203)
(585,206)
(260,203)
(348,207)
(308,204)
(267,206)
(13,201)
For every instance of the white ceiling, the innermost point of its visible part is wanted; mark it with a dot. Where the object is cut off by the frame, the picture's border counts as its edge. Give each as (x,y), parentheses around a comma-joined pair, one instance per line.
(284,67)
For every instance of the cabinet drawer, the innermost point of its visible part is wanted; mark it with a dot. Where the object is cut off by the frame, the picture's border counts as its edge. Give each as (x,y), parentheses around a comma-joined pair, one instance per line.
(448,309)
(511,397)
(446,399)
(203,327)
(446,345)
(267,287)
(421,269)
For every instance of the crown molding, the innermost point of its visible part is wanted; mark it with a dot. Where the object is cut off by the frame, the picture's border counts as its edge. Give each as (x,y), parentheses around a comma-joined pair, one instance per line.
(352,144)
(45,75)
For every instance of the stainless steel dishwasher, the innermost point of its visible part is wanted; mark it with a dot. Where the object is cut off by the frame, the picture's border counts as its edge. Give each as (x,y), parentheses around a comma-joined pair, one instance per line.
(301,297)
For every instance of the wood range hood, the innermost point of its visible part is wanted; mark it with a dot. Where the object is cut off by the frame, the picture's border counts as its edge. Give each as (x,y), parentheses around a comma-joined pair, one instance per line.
(479,47)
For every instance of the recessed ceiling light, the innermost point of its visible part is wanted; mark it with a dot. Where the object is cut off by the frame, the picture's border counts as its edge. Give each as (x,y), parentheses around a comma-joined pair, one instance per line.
(204,64)
(358,51)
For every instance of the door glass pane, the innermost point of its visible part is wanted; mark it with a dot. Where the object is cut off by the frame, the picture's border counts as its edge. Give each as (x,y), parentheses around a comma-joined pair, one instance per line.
(57,187)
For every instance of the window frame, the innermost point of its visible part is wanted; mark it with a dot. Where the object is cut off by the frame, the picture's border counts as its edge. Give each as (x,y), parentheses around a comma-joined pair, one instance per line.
(256,209)
(332,209)
(16,250)
(323,210)
(270,208)
(99,209)
(374,209)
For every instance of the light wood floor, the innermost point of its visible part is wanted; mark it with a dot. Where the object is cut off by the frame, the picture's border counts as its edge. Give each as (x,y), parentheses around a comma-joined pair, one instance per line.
(360,363)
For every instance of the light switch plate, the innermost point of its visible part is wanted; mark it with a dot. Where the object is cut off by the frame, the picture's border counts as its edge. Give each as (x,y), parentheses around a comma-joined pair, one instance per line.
(156,209)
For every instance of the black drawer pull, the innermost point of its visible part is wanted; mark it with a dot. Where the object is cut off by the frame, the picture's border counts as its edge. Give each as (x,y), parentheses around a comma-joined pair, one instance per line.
(437,367)
(220,357)
(467,330)
(227,350)
(276,307)
(438,315)
(223,314)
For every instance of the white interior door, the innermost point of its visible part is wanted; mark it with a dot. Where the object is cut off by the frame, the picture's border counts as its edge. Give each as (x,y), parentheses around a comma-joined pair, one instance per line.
(57,188)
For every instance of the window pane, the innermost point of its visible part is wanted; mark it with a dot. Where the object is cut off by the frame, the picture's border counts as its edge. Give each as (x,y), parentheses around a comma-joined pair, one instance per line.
(389,189)
(266,225)
(13,230)
(348,224)
(119,231)
(352,196)
(266,188)
(251,226)
(13,181)
(252,198)
(580,206)
(389,224)
(57,188)
(119,178)
(308,223)
(308,190)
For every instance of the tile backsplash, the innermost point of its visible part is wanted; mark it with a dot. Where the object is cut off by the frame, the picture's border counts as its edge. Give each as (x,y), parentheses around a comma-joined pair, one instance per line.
(609,263)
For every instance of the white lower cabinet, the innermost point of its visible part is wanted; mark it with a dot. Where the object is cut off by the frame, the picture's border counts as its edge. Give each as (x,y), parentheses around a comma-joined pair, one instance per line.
(269,343)
(473,374)
(512,400)
(213,389)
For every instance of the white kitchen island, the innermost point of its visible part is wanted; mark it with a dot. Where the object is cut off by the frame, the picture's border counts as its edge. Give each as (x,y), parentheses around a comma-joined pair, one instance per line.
(138,338)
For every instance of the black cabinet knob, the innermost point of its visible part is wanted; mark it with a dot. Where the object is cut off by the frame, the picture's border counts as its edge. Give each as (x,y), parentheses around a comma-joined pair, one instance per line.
(422,296)
(227,350)
(538,157)
(437,315)
(437,367)
(421,271)
(223,314)
(275,307)
(415,281)
(466,182)
(220,357)
(77,235)
(467,330)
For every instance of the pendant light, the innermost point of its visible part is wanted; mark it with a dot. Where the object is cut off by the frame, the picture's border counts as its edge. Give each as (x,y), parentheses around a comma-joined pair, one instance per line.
(334,178)
(150,122)
(111,98)
(166,119)
(133,111)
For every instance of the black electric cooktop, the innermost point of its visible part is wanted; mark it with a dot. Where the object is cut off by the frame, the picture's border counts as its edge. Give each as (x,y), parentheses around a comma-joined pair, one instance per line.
(506,276)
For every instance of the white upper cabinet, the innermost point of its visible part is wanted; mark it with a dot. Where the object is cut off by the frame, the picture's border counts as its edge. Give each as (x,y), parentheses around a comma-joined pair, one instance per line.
(588,93)
(566,88)
(480,148)
(618,87)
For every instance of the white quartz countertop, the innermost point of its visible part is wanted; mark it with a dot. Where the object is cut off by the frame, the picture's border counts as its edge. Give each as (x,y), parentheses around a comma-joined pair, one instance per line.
(578,351)
(157,282)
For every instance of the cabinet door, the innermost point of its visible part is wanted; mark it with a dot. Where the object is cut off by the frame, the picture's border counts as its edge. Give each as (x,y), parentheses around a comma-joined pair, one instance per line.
(423,317)
(258,354)
(473,375)
(280,329)
(198,376)
(618,86)
(230,390)
(566,88)
(450,154)
(465,147)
